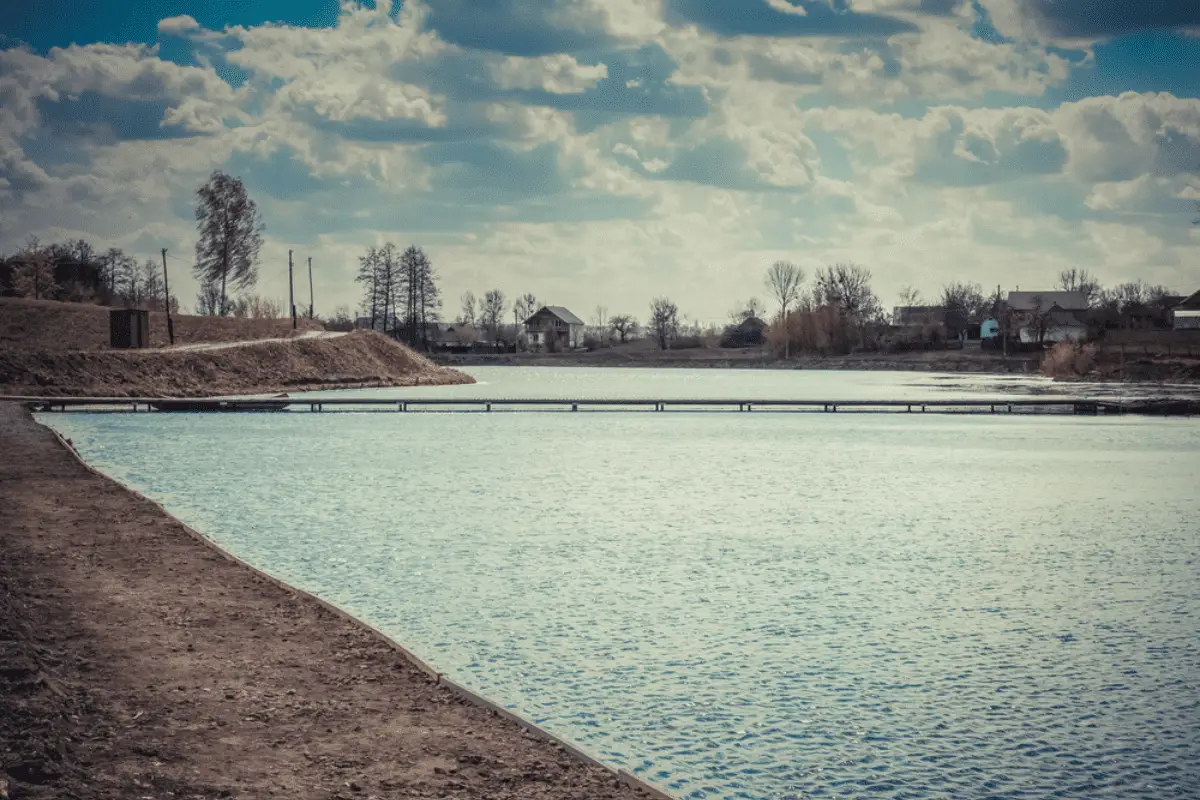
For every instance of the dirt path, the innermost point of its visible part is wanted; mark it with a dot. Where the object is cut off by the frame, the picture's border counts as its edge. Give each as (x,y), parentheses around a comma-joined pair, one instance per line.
(137,663)
(183,348)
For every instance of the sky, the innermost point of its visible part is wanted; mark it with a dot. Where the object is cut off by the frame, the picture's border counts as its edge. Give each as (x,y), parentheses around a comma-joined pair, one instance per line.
(603,152)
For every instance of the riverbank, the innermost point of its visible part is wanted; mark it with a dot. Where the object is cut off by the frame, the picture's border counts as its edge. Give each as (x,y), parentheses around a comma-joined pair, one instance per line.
(137,662)
(1111,365)
(354,360)
(713,358)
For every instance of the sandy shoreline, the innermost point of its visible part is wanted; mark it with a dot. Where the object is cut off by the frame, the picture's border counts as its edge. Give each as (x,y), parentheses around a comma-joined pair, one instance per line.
(137,662)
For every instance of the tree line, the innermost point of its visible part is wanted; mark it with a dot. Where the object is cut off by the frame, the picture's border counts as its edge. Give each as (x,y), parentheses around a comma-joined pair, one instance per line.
(75,271)
(400,292)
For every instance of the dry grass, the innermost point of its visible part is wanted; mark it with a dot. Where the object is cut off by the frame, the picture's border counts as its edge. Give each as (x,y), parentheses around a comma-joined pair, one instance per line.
(47,325)
(1069,360)
(364,358)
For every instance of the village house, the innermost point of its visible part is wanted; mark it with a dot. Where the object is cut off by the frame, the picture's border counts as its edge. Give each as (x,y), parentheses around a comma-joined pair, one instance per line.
(1185,315)
(554,328)
(906,316)
(1048,316)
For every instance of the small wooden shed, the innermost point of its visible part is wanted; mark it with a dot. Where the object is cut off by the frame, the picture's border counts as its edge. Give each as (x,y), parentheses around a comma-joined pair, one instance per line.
(128,327)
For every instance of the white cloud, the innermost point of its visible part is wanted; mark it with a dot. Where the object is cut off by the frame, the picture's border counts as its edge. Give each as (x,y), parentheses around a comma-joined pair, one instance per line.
(784,7)
(364,125)
(177,26)
(557,74)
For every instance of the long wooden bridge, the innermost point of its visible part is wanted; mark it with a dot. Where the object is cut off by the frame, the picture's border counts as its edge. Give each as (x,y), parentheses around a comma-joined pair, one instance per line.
(1026,405)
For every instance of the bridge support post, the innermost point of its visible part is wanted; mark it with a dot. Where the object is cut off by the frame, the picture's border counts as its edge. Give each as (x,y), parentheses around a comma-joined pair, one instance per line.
(489,406)
(574,406)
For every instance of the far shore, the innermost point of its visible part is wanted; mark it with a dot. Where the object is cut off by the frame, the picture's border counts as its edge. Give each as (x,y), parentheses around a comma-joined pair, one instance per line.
(971,361)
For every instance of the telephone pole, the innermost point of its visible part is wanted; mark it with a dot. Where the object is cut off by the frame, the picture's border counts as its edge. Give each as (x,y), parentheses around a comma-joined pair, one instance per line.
(310,291)
(291,291)
(167,300)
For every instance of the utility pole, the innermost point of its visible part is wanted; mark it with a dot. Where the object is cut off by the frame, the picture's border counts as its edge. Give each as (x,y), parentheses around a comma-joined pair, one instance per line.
(516,328)
(167,300)
(310,291)
(291,291)
(1004,322)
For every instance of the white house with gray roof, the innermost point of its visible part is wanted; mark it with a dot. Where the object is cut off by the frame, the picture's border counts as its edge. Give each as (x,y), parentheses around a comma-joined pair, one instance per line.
(554,328)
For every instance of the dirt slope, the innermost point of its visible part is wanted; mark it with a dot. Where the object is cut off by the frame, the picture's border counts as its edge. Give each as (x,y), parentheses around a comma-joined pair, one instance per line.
(137,663)
(47,325)
(362,358)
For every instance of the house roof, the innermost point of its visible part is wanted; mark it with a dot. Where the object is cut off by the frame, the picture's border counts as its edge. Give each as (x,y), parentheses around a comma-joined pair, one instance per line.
(560,312)
(1045,301)
(1189,303)
(752,322)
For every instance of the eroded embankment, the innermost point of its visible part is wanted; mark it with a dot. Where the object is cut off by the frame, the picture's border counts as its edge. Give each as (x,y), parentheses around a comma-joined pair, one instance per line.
(137,662)
(363,358)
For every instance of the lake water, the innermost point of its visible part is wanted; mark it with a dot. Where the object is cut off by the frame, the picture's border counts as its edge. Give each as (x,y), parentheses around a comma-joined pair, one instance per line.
(764,605)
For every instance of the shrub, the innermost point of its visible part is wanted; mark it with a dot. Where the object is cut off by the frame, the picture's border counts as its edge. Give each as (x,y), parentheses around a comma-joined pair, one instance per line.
(1069,360)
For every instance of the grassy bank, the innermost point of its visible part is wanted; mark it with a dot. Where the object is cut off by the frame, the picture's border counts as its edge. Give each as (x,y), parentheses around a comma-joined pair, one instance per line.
(49,326)
(358,359)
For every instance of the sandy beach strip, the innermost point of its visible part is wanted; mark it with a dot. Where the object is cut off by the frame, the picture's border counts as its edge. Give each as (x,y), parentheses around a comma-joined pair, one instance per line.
(137,662)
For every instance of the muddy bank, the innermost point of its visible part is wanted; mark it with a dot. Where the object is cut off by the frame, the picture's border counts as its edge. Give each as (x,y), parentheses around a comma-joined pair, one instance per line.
(364,358)
(136,662)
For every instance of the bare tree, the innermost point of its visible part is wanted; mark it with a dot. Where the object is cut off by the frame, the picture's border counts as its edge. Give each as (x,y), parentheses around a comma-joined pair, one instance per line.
(623,325)
(664,321)
(230,235)
(962,304)
(208,301)
(117,266)
(1080,280)
(600,323)
(526,306)
(34,276)
(751,309)
(255,306)
(784,280)
(466,315)
(390,283)
(846,288)
(493,312)
(153,297)
(368,276)
(910,296)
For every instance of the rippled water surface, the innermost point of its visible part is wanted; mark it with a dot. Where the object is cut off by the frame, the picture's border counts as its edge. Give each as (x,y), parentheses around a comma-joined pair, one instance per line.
(754,605)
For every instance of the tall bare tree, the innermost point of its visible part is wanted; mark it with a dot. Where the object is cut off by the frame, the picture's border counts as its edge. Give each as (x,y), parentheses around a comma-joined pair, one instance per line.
(368,276)
(664,321)
(784,280)
(230,236)
(526,306)
(1080,280)
(493,313)
(467,315)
